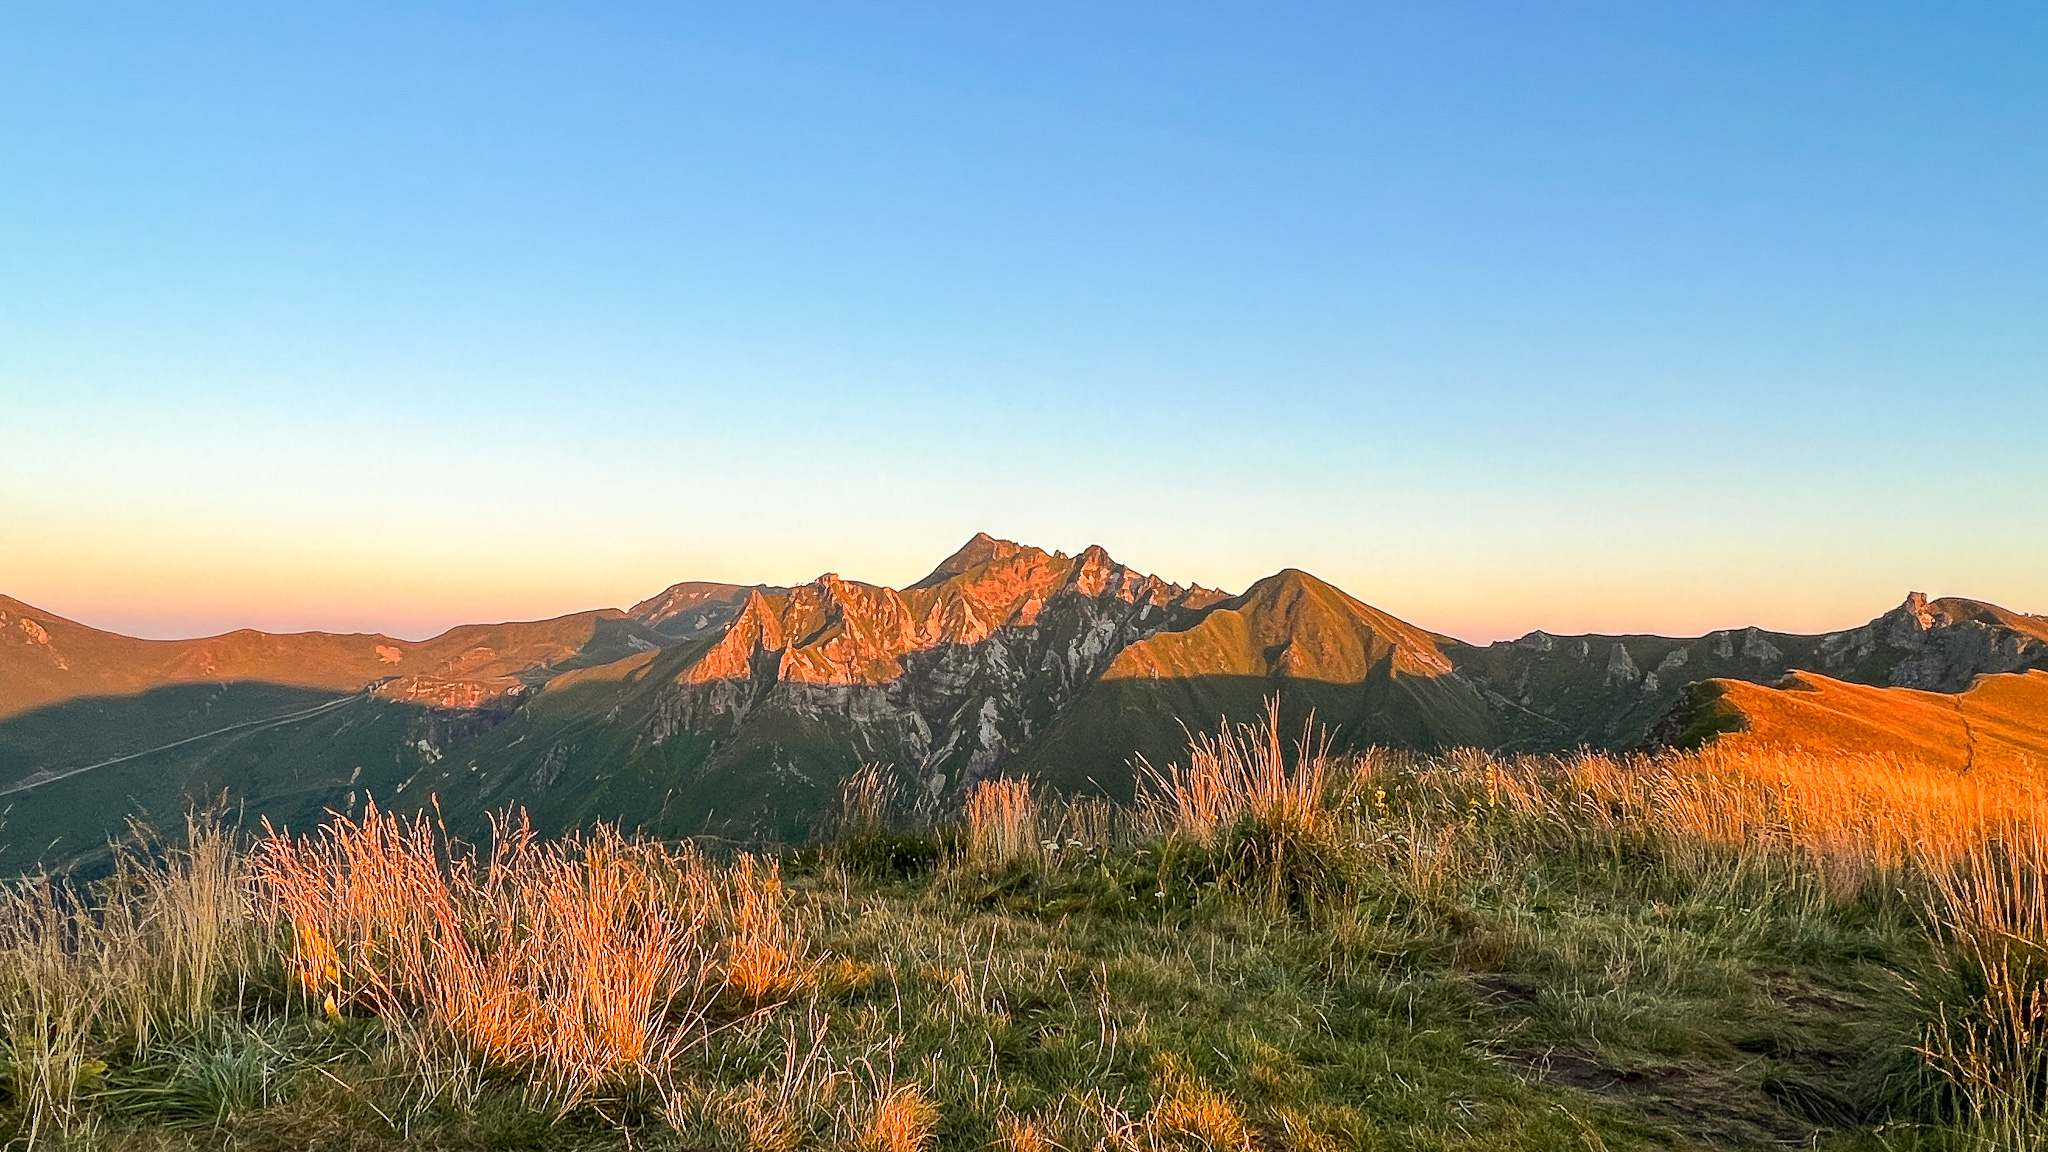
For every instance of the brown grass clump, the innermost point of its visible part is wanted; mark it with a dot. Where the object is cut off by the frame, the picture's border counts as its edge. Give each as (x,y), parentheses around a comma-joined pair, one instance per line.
(581,962)
(765,955)
(1192,1114)
(768,1122)
(905,1120)
(1020,1135)
(1003,824)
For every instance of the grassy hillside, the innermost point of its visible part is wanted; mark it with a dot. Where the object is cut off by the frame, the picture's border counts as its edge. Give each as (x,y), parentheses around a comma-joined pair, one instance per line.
(290,772)
(1270,953)
(2000,724)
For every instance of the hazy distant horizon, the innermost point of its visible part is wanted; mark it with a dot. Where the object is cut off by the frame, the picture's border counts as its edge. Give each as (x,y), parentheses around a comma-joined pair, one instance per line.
(160,627)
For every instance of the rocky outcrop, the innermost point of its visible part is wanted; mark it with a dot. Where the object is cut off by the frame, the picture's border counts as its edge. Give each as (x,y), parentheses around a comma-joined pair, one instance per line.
(951,674)
(695,608)
(1937,646)
(499,694)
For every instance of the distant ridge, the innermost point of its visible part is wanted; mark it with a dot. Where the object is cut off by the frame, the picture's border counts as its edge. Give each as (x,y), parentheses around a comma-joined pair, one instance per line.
(694,607)
(1609,691)
(47,659)
(737,709)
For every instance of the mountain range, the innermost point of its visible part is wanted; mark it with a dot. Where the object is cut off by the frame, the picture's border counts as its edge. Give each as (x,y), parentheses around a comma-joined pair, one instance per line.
(736,710)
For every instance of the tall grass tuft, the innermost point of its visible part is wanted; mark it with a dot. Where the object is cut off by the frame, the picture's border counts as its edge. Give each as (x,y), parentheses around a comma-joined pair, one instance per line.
(580,963)
(1003,824)
(869,840)
(1991,902)
(87,976)
(905,1120)
(868,799)
(1264,817)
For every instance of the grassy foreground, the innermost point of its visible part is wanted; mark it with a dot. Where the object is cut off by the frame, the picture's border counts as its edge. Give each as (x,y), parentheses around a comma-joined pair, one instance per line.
(1273,949)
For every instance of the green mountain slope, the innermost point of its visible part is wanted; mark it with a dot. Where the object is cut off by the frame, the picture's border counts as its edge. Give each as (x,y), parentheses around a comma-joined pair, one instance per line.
(1370,678)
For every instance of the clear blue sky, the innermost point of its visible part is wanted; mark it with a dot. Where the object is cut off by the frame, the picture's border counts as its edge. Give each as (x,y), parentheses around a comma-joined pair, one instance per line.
(1498,315)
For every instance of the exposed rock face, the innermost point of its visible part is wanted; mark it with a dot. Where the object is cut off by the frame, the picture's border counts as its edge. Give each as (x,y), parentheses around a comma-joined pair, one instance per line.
(1756,647)
(496,694)
(1621,668)
(951,674)
(1936,646)
(695,607)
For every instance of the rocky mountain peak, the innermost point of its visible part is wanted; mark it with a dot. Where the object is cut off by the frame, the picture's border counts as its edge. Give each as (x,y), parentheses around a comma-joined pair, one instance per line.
(1915,608)
(982,549)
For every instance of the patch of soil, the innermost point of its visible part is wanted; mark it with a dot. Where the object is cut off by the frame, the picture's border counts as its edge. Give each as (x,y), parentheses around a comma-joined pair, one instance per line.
(1718,1106)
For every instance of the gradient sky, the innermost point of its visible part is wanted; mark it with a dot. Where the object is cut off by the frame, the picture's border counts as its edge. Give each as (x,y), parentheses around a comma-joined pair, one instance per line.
(1501,316)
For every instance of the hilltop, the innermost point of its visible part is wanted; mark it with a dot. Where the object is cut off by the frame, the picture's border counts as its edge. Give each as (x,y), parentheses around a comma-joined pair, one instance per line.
(1999,723)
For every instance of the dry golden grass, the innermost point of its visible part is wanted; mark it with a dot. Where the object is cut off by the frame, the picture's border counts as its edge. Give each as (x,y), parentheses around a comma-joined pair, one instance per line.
(81,981)
(905,1120)
(1002,820)
(1242,773)
(1857,818)
(581,962)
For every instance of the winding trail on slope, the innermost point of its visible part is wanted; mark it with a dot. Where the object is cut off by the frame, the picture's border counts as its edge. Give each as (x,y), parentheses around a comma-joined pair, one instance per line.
(46,776)
(1969,738)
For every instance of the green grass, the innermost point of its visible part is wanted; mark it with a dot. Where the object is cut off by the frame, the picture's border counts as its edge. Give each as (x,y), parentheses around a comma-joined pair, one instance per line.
(1473,978)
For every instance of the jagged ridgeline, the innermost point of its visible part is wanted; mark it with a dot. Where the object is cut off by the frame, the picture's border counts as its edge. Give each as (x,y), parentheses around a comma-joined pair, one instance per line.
(736,710)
